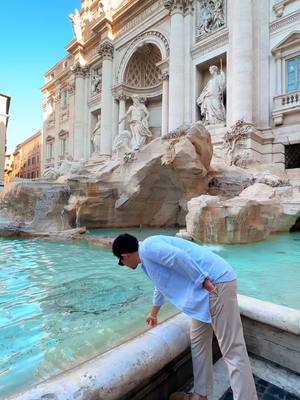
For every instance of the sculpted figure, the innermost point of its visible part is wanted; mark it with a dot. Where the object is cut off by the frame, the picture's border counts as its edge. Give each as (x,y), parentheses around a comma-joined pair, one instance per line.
(138,116)
(210,100)
(121,145)
(95,136)
(210,16)
(77,25)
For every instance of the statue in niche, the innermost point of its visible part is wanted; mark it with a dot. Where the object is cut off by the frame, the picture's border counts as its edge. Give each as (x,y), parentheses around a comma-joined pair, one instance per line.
(138,116)
(77,24)
(96,81)
(95,136)
(211,16)
(210,100)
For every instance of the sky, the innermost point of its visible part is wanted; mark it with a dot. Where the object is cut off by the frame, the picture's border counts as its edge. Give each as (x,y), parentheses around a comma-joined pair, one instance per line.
(33,36)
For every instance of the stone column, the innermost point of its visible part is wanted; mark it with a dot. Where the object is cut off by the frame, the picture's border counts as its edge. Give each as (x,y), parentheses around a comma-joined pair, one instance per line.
(261,64)
(106,53)
(122,109)
(165,103)
(240,59)
(176,63)
(188,24)
(78,136)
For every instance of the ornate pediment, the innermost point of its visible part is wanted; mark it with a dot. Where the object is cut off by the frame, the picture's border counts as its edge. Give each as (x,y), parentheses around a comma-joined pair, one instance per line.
(63,133)
(50,139)
(292,40)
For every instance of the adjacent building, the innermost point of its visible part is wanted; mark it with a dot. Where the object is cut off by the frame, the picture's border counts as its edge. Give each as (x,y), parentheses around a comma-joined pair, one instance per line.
(162,51)
(27,158)
(4,116)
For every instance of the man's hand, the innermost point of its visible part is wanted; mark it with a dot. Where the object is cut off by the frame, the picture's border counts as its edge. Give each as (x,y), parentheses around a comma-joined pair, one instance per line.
(209,286)
(151,320)
(152,316)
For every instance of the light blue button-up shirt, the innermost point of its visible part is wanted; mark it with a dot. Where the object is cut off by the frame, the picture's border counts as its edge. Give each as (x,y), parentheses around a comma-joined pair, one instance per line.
(178,268)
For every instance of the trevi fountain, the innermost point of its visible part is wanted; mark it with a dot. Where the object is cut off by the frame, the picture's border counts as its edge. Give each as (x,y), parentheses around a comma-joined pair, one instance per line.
(164,136)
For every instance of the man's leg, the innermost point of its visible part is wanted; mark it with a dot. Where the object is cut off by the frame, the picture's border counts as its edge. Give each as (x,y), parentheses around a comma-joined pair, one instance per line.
(228,329)
(201,345)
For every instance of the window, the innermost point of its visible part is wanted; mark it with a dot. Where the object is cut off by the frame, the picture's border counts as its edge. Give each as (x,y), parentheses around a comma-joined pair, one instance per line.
(29,162)
(292,156)
(32,175)
(49,150)
(293,74)
(33,161)
(63,146)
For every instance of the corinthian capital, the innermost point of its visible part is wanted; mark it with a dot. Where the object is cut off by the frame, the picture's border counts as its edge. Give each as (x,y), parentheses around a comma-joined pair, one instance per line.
(79,70)
(175,6)
(105,50)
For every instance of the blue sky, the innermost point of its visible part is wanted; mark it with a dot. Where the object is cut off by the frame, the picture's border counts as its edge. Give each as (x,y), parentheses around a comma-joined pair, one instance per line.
(33,35)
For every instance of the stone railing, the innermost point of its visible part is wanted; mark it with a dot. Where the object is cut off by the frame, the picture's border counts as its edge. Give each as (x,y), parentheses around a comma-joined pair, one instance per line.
(285,104)
(159,358)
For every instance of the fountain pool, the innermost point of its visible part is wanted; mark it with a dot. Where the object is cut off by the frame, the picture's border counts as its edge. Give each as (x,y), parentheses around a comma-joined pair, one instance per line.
(62,303)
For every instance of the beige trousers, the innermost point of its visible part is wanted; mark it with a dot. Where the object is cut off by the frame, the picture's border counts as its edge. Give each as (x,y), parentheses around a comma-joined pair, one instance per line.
(227,326)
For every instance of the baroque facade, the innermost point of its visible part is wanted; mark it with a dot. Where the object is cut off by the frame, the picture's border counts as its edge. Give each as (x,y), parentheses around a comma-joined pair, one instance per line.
(221,61)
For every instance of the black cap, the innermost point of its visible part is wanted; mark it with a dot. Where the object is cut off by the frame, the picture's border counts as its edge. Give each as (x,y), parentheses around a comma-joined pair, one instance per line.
(124,243)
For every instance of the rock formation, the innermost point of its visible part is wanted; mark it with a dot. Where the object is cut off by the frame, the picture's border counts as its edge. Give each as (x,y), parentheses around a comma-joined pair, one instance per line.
(257,211)
(149,188)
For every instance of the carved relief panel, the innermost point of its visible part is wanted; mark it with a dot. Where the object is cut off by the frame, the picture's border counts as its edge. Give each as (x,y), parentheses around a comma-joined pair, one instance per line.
(210,16)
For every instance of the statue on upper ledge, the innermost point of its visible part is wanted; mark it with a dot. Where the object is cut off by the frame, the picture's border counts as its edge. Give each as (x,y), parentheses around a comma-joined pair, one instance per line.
(210,16)
(138,116)
(95,136)
(77,24)
(210,100)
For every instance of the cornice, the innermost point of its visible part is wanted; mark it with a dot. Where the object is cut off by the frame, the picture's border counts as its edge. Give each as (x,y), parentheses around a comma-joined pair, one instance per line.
(284,21)
(217,39)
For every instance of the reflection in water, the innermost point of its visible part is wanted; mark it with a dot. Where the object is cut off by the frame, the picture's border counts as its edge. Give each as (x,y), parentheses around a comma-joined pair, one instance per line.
(62,303)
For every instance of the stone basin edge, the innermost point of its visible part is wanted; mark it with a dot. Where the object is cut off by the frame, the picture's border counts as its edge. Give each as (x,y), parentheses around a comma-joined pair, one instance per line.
(115,373)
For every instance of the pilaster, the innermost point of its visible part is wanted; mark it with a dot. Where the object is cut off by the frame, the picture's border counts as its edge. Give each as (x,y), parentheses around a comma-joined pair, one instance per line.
(105,52)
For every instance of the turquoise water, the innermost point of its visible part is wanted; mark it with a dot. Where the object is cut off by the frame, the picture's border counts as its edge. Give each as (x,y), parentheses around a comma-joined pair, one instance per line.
(62,303)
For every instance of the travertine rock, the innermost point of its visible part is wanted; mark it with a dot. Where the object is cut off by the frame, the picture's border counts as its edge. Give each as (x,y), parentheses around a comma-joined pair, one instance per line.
(151,189)
(36,205)
(259,210)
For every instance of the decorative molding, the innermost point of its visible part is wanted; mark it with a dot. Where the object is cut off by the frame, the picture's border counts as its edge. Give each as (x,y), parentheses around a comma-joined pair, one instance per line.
(50,139)
(279,7)
(144,38)
(140,17)
(165,76)
(212,42)
(106,50)
(71,88)
(63,133)
(285,21)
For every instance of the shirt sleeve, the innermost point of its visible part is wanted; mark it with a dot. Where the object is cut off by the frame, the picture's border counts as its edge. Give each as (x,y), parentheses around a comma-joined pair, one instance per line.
(158,298)
(176,259)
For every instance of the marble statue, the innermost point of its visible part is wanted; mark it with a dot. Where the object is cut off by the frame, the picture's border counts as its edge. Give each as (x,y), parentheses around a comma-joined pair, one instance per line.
(210,100)
(77,24)
(122,144)
(95,136)
(96,81)
(138,116)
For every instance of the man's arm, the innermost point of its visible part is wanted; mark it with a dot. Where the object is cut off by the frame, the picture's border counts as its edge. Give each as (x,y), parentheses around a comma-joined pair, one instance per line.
(180,261)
